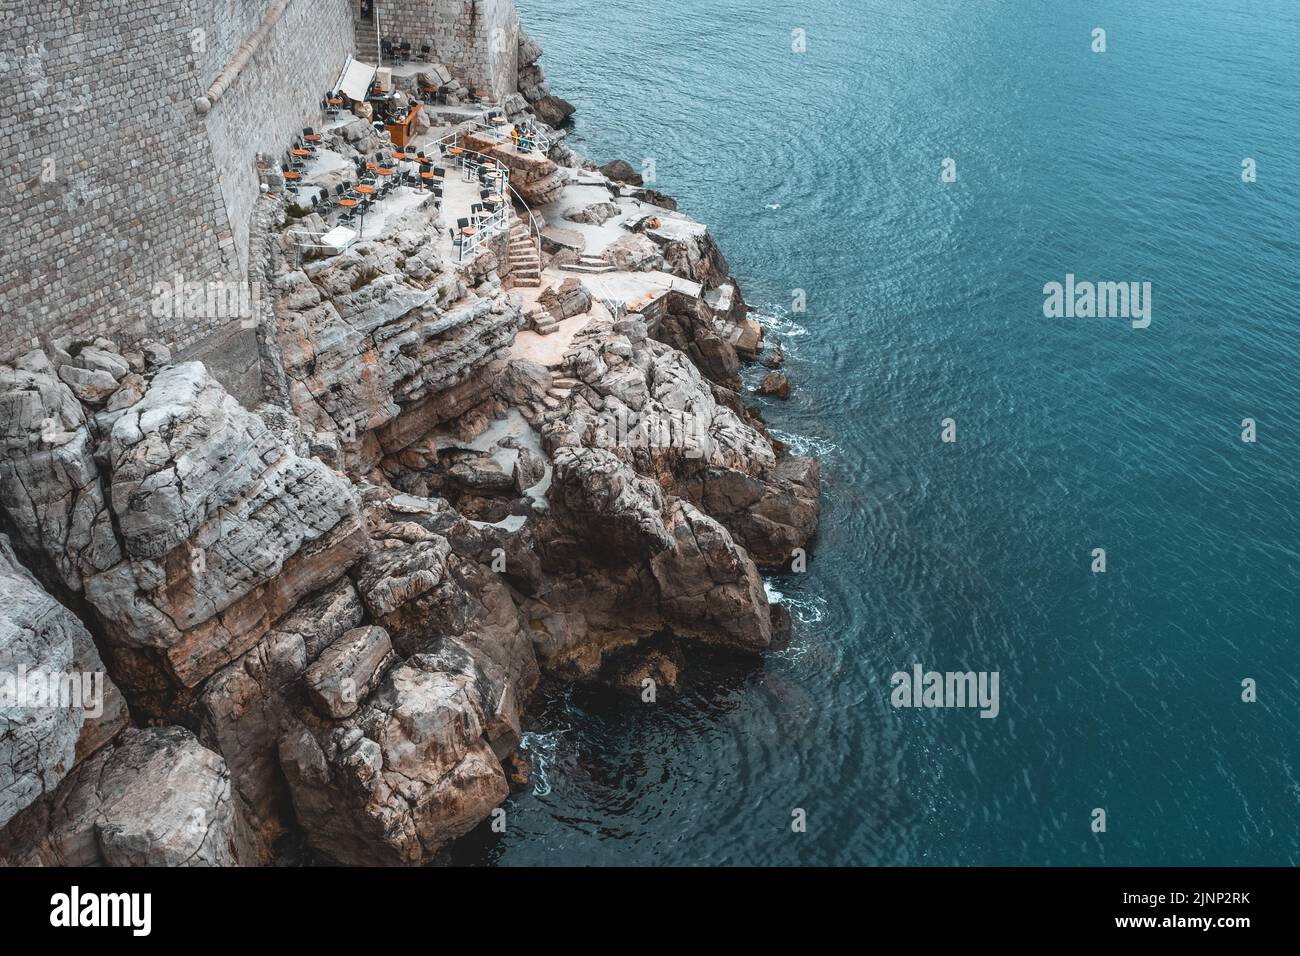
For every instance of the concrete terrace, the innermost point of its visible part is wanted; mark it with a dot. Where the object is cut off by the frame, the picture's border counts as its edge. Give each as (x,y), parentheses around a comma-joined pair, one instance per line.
(564,223)
(460,185)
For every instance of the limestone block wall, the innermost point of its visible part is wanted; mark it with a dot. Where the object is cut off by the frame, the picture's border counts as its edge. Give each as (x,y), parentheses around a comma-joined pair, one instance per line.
(276,95)
(112,183)
(96,129)
(478,40)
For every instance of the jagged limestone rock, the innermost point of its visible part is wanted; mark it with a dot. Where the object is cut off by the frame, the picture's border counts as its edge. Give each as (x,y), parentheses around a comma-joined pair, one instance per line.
(224,529)
(49,481)
(57,704)
(155,798)
(566,300)
(705,587)
(243,705)
(411,770)
(358,359)
(634,253)
(347,670)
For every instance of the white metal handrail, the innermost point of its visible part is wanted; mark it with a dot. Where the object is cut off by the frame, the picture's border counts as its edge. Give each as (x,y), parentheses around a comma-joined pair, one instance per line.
(540,143)
(486,229)
(533,227)
(616,307)
(453,140)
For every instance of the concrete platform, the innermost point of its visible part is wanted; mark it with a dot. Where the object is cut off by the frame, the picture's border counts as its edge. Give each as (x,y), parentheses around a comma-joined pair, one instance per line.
(549,350)
(402,201)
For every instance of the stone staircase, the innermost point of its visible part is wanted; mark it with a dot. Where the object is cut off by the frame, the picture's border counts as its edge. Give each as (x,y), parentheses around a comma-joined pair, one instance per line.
(561,388)
(541,321)
(589,264)
(367,43)
(525,264)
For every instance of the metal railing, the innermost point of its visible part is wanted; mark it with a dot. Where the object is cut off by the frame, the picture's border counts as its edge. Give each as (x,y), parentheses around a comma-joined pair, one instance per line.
(452,140)
(486,229)
(535,231)
(617,307)
(540,143)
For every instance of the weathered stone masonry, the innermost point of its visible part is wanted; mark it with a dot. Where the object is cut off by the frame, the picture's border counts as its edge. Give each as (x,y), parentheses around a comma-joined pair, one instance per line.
(113,183)
(477,39)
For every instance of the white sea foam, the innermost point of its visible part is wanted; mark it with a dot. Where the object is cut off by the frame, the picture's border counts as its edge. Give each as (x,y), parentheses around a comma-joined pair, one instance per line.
(776,320)
(807,609)
(806,444)
(543,751)
(794,652)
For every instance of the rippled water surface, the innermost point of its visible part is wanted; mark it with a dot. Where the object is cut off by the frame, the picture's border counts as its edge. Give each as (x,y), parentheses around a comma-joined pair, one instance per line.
(821,171)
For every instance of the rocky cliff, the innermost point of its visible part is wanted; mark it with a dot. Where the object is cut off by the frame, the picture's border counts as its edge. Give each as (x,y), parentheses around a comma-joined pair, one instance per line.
(327,615)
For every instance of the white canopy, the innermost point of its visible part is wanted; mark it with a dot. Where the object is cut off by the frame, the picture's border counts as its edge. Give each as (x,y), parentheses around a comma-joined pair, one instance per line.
(355,79)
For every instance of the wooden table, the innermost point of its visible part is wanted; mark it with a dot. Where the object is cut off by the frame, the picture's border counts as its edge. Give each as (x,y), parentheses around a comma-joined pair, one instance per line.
(403,132)
(365,190)
(312,138)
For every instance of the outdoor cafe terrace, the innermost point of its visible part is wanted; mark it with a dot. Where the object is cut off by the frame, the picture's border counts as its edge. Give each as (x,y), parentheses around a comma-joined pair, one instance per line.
(360,196)
(457,174)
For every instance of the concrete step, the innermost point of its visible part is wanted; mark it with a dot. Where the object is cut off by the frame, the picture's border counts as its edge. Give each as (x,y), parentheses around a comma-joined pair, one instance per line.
(588,269)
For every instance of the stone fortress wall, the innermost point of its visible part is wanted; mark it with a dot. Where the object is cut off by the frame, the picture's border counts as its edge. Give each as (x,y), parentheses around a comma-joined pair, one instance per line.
(477,39)
(114,183)
(276,95)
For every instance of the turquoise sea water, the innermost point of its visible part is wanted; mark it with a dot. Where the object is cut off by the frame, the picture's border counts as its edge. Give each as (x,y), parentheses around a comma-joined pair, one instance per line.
(821,171)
